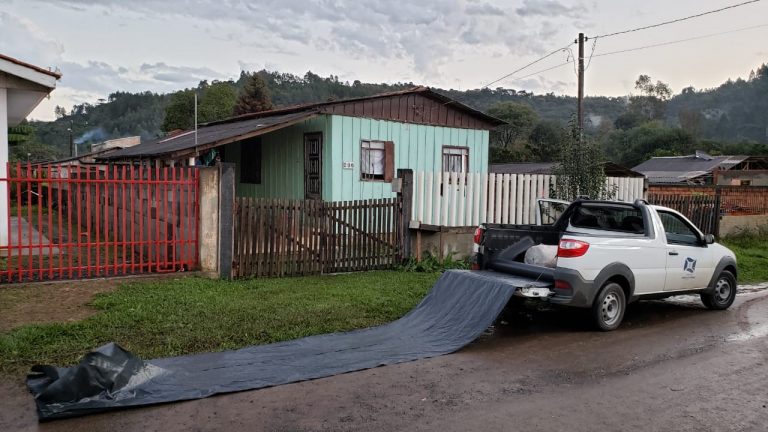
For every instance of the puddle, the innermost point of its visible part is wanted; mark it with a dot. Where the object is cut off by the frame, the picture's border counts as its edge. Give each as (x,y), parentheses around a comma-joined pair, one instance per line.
(749,289)
(755,332)
(742,290)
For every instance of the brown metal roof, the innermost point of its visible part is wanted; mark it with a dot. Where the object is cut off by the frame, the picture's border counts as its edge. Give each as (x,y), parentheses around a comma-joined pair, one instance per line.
(611,169)
(416,105)
(208,136)
(56,75)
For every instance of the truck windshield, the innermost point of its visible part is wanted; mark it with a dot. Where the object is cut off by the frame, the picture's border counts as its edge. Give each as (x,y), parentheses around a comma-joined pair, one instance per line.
(609,217)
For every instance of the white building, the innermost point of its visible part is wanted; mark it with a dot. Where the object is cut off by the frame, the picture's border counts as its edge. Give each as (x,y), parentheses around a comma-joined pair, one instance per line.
(22,87)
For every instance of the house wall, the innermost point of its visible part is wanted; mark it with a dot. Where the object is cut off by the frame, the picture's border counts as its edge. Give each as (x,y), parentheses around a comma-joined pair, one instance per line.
(282,166)
(418,147)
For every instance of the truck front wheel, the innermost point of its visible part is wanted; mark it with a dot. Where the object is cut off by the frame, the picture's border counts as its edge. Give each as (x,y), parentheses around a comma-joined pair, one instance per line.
(722,295)
(609,306)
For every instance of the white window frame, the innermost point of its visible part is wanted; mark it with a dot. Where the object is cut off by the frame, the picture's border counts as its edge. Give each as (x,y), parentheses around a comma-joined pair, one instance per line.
(366,146)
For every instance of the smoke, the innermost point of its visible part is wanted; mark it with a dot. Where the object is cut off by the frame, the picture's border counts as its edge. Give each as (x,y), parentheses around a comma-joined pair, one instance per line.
(93,135)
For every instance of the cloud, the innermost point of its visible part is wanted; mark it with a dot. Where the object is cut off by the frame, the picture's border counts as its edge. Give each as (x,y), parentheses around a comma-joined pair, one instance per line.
(484,9)
(23,39)
(427,34)
(178,74)
(550,8)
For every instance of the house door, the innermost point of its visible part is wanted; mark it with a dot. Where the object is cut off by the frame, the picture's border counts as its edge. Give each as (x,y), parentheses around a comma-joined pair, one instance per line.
(313,165)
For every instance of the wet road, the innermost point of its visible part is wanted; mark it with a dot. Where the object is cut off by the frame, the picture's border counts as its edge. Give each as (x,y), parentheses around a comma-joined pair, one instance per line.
(671,366)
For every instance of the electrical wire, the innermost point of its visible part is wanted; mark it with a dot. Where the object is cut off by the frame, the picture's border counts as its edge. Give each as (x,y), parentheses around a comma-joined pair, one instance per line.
(591,52)
(528,65)
(543,70)
(678,20)
(680,41)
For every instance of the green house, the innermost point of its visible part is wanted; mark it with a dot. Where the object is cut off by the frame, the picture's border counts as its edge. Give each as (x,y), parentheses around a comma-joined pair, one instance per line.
(335,151)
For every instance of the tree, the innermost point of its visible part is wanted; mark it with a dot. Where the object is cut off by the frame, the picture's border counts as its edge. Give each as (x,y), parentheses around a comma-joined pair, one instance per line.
(218,102)
(638,144)
(255,96)
(180,112)
(520,120)
(579,168)
(545,140)
(652,102)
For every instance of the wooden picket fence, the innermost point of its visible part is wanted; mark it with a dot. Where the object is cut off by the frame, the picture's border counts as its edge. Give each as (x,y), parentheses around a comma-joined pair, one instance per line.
(468,199)
(702,210)
(280,237)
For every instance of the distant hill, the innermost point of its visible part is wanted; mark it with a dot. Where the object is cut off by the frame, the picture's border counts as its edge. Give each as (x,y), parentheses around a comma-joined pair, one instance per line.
(735,111)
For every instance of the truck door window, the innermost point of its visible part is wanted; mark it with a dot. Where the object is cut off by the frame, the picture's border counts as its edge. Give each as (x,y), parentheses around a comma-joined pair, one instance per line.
(551,211)
(678,231)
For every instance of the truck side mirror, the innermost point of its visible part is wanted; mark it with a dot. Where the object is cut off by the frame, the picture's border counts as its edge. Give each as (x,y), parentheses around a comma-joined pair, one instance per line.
(709,239)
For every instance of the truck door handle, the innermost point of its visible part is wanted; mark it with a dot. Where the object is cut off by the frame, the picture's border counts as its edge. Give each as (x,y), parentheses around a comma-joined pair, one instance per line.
(673,253)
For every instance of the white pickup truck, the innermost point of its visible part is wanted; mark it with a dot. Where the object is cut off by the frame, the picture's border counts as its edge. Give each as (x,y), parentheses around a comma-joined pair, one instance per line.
(604,254)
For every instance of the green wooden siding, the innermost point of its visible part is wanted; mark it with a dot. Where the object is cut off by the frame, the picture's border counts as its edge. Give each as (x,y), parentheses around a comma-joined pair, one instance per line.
(282,167)
(418,147)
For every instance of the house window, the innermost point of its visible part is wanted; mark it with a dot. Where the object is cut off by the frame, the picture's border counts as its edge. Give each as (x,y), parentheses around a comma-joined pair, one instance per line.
(250,161)
(455,159)
(377,160)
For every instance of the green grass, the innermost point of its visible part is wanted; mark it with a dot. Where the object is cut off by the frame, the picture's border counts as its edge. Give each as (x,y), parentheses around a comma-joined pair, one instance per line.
(190,315)
(751,251)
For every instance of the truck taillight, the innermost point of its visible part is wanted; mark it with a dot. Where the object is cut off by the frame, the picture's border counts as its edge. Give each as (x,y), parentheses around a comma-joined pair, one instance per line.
(572,248)
(478,235)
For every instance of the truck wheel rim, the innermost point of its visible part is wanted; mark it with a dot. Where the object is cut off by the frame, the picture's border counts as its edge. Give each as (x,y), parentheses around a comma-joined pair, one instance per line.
(610,309)
(722,290)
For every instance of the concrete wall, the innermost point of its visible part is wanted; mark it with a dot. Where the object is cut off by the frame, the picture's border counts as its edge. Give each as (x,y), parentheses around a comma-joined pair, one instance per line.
(447,241)
(209,220)
(730,225)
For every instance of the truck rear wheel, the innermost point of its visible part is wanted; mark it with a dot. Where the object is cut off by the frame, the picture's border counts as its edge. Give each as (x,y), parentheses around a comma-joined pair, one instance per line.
(609,306)
(722,294)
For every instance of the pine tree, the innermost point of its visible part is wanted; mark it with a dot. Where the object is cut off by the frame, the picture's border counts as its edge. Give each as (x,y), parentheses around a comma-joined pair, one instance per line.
(254,96)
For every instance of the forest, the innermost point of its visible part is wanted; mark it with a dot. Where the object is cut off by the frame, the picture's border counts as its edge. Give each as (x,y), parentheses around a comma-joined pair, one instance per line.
(729,119)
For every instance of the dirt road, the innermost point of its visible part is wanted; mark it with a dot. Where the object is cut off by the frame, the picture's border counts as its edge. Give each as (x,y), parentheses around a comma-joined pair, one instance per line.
(671,366)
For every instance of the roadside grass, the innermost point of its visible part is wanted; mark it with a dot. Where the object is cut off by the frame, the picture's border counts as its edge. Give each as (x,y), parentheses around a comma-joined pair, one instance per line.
(191,315)
(751,251)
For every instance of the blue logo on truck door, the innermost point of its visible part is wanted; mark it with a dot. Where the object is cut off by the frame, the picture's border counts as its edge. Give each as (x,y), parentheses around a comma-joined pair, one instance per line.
(689,265)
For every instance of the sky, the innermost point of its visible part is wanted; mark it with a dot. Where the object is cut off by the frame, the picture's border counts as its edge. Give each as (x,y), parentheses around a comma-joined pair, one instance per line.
(103,46)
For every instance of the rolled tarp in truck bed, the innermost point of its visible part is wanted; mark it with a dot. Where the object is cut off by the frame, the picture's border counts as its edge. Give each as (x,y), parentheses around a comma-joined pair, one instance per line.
(458,308)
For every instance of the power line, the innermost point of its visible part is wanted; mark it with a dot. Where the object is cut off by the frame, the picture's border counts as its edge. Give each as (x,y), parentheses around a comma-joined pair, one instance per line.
(528,65)
(543,70)
(679,41)
(679,19)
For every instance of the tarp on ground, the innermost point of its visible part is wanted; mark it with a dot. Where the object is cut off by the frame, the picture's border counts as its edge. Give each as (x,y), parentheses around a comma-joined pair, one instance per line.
(458,308)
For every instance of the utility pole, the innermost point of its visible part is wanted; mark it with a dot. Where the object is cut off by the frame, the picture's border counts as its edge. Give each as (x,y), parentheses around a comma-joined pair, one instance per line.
(71,140)
(581,81)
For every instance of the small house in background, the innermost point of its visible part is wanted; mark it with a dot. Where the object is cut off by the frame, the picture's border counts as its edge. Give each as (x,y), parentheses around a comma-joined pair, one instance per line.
(335,151)
(703,169)
(115,144)
(611,169)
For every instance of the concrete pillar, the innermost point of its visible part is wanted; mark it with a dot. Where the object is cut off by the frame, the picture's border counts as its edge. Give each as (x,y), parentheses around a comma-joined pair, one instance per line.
(4,210)
(209,221)
(226,218)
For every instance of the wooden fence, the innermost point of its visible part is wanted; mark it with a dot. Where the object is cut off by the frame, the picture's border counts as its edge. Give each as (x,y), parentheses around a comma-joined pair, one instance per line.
(734,200)
(279,237)
(468,199)
(702,210)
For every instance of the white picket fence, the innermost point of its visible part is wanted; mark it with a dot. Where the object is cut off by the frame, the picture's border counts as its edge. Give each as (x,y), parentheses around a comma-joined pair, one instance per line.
(467,199)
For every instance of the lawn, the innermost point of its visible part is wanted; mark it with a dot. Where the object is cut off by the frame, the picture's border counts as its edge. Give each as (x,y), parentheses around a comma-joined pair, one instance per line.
(190,315)
(751,256)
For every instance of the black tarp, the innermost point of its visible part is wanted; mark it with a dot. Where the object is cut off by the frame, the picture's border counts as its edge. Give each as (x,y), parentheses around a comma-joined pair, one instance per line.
(458,308)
